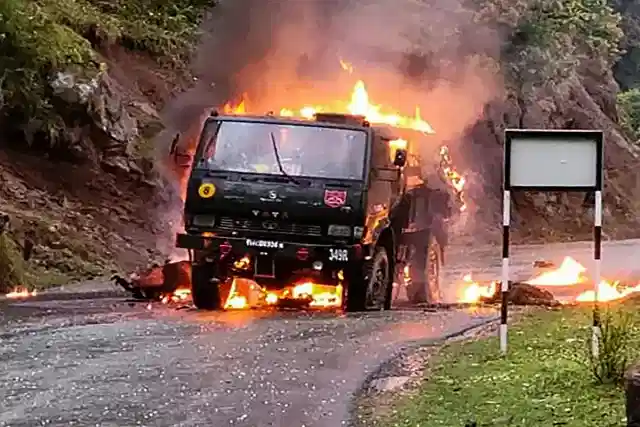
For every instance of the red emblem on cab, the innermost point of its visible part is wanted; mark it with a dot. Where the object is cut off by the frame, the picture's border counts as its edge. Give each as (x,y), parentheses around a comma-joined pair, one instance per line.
(335,198)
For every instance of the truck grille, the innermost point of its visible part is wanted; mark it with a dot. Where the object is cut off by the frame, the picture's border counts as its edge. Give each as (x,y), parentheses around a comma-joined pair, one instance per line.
(269,226)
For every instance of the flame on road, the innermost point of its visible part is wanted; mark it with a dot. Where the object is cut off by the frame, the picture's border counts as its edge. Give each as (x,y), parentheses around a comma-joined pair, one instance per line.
(473,291)
(179,295)
(21,293)
(570,272)
(608,292)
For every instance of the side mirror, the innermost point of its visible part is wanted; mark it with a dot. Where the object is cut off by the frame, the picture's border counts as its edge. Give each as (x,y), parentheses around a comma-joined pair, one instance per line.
(400,158)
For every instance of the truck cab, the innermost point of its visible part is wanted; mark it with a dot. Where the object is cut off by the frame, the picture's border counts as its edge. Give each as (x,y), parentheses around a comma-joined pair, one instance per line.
(282,201)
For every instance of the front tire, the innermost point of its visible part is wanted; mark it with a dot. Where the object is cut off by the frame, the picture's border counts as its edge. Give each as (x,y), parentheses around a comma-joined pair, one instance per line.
(205,288)
(370,288)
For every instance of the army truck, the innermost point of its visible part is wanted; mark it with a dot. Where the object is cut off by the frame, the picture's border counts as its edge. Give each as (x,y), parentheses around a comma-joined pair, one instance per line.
(333,200)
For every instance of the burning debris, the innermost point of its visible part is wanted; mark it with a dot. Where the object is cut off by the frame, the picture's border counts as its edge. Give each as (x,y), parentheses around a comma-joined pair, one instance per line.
(168,283)
(171,283)
(567,283)
(21,293)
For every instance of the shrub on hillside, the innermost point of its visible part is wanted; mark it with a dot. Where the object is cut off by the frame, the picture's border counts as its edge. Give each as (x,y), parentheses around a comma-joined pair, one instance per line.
(12,269)
(40,37)
(629,111)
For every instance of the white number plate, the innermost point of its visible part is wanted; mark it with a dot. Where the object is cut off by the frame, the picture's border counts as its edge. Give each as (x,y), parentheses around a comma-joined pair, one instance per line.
(341,255)
(267,244)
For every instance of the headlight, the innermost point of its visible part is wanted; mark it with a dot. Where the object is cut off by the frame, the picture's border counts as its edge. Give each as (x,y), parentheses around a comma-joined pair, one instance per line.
(358,232)
(203,220)
(339,230)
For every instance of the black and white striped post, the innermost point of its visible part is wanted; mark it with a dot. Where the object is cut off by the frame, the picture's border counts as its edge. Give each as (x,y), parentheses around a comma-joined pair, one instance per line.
(597,259)
(559,161)
(506,220)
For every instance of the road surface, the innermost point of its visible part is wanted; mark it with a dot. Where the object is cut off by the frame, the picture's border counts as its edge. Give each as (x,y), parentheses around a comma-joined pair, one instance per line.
(105,362)
(619,262)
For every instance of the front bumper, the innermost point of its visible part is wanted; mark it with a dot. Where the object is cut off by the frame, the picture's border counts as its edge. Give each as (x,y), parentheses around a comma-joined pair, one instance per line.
(332,255)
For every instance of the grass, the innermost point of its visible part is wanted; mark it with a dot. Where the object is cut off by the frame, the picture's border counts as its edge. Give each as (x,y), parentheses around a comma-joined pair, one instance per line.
(545,380)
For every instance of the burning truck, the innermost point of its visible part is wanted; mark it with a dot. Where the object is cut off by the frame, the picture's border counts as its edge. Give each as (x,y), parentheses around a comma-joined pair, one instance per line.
(316,208)
(333,201)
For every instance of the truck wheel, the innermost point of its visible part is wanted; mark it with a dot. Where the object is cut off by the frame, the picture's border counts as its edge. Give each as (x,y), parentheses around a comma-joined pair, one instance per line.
(205,290)
(370,288)
(425,274)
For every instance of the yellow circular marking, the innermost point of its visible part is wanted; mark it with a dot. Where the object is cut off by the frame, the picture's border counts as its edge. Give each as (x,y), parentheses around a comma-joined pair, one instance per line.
(207,190)
(262,168)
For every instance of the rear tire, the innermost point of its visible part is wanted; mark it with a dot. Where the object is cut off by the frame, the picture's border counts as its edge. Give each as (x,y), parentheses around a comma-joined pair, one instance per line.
(205,288)
(425,274)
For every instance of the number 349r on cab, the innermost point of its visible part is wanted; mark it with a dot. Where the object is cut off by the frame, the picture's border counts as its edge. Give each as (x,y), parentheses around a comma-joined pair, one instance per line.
(282,201)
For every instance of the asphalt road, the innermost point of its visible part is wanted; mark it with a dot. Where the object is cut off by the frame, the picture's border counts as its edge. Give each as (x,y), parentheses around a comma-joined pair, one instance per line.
(102,361)
(619,262)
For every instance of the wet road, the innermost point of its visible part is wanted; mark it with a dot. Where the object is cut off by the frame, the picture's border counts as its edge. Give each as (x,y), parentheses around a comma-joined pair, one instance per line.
(619,262)
(105,362)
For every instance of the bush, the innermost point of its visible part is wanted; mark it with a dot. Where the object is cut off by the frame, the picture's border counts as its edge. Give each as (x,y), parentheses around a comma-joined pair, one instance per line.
(12,269)
(41,37)
(609,366)
(629,112)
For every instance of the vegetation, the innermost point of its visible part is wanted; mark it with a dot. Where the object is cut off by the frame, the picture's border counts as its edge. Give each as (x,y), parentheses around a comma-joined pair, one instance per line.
(41,37)
(12,269)
(545,379)
(629,112)
(611,362)
(549,39)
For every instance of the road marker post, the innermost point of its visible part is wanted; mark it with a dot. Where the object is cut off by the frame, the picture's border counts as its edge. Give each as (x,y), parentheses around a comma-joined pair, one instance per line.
(539,160)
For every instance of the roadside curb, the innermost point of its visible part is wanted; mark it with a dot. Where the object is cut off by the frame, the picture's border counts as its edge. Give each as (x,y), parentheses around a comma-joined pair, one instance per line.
(402,350)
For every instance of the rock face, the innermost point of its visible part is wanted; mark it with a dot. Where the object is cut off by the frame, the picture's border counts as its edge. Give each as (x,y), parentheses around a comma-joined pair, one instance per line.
(101,129)
(580,102)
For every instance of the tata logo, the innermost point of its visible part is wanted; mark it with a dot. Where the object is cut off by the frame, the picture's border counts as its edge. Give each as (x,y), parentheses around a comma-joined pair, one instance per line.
(269,225)
(273,195)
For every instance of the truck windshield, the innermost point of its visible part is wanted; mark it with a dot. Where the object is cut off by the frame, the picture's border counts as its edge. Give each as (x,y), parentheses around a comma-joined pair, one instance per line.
(303,150)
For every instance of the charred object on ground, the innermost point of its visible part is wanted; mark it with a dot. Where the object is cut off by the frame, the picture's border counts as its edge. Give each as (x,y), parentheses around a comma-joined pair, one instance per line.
(523,294)
(157,281)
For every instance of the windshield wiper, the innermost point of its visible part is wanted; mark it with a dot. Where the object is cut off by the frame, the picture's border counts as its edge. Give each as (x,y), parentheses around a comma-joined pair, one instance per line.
(275,151)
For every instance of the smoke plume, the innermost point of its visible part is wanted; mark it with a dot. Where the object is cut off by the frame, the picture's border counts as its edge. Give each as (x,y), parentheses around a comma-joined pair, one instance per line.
(286,53)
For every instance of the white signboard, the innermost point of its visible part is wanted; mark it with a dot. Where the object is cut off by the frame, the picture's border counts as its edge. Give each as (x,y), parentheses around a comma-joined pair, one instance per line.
(548,159)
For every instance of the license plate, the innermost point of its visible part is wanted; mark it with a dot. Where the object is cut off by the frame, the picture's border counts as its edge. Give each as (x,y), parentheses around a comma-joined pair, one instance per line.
(338,255)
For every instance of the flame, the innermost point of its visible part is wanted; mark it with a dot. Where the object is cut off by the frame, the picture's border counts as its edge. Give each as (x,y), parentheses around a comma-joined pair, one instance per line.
(473,291)
(608,292)
(321,295)
(346,66)
(570,272)
(21,293)
(271,298)
(359,104)
(453,178)
(235,300)
(179,295)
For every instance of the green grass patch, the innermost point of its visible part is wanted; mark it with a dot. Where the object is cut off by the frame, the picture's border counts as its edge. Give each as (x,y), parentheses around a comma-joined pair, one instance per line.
(545,380)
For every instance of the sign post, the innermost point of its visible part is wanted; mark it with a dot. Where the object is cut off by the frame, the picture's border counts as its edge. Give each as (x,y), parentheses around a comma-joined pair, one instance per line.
(552,160)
